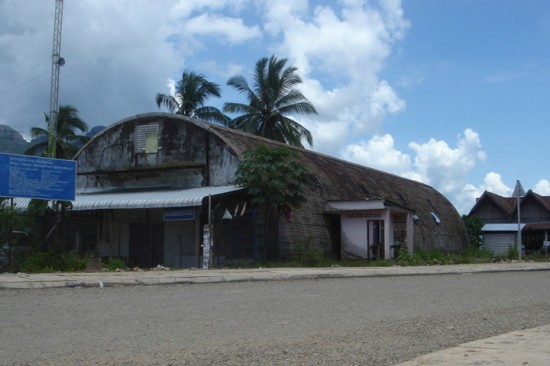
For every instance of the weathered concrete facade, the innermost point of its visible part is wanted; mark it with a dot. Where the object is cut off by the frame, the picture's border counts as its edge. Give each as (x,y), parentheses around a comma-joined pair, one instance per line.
(155,151)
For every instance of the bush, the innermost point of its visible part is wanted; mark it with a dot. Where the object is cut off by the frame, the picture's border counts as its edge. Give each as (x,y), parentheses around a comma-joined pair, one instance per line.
(512,253)
(71,262)
(308,254)
(436,257)
(421,257)
(114,264)
(51,262)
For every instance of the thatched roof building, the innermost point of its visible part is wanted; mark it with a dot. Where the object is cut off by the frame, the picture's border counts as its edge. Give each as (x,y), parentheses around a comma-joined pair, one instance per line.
(348,205)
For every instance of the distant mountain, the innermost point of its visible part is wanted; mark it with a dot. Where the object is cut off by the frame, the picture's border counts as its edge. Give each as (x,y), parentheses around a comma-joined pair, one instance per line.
(95,130)
(11,141)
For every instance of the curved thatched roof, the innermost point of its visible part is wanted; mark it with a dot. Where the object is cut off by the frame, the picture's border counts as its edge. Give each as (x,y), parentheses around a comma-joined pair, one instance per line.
(335,179)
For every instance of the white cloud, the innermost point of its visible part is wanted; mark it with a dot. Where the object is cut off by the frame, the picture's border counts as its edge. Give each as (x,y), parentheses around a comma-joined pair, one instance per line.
(379,152)
(542,187)
(231,30)
(339,51)
(493,183)
(444,167)
(435,163)
(465,200)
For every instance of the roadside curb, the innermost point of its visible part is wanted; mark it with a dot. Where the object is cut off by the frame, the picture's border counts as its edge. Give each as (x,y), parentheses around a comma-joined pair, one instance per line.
(180,277)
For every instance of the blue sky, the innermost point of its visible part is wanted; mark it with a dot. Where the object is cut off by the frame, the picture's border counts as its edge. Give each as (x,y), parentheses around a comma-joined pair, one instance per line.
(453,93)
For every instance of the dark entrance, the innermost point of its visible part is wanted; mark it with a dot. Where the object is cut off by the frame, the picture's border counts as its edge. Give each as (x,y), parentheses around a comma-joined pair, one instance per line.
(146,245)
(375,238)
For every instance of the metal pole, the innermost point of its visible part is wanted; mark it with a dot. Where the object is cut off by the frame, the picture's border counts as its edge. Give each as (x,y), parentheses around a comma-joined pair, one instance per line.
(518,193)
(57,61)
(519,229)
(210,259)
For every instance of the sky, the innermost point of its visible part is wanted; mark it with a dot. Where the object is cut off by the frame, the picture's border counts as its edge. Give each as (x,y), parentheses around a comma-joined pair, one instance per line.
(452,93)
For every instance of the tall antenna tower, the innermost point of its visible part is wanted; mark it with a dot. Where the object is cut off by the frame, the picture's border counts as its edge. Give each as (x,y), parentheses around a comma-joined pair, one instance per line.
(57,62)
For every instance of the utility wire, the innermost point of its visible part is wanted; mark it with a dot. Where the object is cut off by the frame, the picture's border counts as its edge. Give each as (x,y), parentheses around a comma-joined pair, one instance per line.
(144,54)
(94,96)
(23,83)
(107,68)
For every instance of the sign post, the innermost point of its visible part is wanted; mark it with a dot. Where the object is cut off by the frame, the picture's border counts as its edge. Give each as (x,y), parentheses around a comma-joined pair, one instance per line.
(37,177)
(518,192)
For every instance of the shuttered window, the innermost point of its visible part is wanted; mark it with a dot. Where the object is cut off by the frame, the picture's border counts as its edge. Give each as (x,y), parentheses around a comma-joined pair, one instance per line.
(146,138)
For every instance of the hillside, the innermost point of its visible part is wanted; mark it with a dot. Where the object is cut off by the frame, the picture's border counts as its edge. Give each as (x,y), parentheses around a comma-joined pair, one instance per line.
(12,142)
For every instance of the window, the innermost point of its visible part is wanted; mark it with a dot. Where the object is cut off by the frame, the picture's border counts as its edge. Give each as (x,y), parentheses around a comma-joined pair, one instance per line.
(436,218)
(146,138)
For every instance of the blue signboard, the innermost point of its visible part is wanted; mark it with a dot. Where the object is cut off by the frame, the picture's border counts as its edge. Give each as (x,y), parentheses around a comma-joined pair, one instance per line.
(179,213)
(35,177)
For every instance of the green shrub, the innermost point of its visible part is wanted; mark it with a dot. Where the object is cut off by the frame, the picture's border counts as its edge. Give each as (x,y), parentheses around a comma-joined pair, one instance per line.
(308,254)
(436,257)
(114,264)
(50,261)
(71,262)
(512,253)
(478,252)
(38,262)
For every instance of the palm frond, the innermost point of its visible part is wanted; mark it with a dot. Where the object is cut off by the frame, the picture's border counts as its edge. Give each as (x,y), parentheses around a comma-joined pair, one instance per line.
(273,97)
(212,114)
(168,101)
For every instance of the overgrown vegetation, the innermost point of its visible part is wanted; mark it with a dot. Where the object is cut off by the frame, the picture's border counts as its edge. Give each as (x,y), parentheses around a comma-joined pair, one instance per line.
(276,181)
(51,261)
(114,264)
(473,226)
(308,254)
(470,255)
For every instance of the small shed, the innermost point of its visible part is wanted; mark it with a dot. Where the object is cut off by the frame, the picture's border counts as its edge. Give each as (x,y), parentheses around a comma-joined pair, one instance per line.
(499,238)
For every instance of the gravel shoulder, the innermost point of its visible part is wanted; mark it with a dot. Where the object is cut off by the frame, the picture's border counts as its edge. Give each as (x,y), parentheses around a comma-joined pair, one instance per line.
(353,321)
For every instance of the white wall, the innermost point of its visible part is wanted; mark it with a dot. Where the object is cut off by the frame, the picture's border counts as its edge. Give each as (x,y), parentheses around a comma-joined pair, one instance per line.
(354,232)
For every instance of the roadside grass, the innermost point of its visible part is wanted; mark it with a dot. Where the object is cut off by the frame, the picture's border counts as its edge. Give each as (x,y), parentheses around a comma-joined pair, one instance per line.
(307,256)
(470,255)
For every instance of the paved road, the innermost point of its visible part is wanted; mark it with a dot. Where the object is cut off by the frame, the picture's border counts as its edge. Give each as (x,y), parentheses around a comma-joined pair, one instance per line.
(347,321)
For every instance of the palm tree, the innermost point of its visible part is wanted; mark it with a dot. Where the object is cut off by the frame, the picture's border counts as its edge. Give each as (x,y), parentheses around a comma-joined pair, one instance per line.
(271,100)
(191,93)
(67,141)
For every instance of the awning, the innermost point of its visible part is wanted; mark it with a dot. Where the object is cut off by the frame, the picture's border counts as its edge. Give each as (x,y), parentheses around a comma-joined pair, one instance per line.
(148,199)
(501,227)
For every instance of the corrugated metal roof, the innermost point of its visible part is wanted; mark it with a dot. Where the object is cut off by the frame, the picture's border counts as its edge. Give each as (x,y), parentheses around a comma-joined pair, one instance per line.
(502,227)
(151,199)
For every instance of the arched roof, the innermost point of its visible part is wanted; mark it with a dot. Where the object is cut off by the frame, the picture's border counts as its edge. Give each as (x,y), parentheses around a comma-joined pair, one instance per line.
(336,179)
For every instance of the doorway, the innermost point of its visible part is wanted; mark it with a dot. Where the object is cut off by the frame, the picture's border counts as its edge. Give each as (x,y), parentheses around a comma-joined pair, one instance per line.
(375,239)
(146,245)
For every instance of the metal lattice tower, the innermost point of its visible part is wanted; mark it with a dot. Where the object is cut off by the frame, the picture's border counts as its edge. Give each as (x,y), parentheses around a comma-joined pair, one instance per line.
(57,62)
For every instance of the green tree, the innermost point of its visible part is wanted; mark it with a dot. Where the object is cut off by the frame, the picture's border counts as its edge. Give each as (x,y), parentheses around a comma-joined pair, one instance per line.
(473,226)
(276,181)
(67,140)
(191,93)
(272,99)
